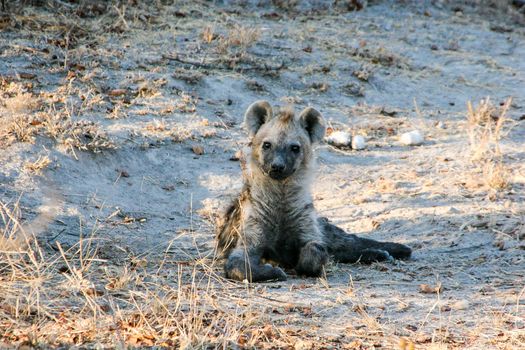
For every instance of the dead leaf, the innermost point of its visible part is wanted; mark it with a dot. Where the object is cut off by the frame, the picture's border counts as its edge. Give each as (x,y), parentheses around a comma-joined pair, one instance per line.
(24,75)
(94,292)
(117,92)
(242,340)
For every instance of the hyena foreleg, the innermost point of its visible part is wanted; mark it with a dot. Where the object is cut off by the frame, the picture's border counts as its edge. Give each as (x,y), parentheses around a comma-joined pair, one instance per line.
(312,259)
(243,265)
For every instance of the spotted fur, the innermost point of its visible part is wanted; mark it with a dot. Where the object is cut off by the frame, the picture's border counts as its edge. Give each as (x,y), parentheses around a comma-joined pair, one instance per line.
(273,219)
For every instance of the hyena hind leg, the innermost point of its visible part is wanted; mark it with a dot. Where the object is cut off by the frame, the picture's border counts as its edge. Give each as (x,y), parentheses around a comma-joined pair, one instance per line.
(312,258)
(240,267)
(348,248)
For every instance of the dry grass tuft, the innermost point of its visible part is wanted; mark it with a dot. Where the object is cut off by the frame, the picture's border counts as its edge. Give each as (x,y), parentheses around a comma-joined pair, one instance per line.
(17,122)
(117,112)
(18,128)
(487,125)
(23,102)
(243,36)
(10,238)
(86,136)
(188,76)
(38,165)
(186,104)
(20,122)
(497,175)
(77,135)
(156,125)
(208,35)
(239,37)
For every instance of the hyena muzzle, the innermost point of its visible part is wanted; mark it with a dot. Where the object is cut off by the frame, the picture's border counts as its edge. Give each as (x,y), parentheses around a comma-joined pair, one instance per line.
(272,224)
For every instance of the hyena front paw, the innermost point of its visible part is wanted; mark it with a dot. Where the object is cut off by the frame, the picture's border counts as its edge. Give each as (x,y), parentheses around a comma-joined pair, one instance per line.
(254,273)
(312,259)
(273,273)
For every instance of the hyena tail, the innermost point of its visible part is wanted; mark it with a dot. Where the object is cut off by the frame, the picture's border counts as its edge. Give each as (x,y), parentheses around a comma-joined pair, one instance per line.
(349,248)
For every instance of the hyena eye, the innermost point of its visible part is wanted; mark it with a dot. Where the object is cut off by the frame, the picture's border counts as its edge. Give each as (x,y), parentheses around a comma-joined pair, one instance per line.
(295,148)
(266,145)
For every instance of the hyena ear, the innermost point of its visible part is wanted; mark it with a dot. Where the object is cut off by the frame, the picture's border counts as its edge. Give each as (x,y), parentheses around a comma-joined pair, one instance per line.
(313,123)
(256,115)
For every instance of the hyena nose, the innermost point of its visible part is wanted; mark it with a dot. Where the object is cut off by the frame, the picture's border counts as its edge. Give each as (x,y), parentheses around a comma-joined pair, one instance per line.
(277,167)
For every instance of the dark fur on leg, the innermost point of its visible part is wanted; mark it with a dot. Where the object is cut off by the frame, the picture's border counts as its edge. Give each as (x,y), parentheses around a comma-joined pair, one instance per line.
(348,248)
(240,267)
(312,259)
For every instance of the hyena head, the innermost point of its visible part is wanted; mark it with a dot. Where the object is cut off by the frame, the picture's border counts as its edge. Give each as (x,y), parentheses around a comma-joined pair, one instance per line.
(282,143)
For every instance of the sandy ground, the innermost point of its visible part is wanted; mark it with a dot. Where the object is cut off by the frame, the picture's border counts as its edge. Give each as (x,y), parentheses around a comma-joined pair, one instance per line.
(163,81)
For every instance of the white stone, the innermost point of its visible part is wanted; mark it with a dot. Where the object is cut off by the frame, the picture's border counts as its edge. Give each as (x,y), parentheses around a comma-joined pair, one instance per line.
(358,142)
(339,139)
(412,138)
(460,305)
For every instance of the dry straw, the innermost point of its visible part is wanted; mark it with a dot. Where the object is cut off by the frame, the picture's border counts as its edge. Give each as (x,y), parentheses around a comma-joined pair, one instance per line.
(487,126)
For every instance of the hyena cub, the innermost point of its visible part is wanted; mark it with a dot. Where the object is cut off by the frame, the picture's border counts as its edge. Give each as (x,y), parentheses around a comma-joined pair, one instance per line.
(273,219)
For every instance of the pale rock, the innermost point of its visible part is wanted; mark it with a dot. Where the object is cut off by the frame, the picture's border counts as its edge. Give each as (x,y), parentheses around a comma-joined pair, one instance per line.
(358,142)
(412,138)
(460,305)
(339,139)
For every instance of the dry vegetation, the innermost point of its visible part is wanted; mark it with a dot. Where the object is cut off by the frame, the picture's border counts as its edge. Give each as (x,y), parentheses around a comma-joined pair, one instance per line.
(23,118)
(487,126)
(41,163)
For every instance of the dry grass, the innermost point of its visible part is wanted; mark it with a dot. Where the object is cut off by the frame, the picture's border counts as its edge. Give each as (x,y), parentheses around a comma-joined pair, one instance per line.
(41,163)
(72,297)
(16,120)
(117,112)
(86,136)
(497,175)
(157,125)
(240,38)
(208,35)
(235,41)
(186,103)
(80,135)
(11,239)
(21,121)
(487,126)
